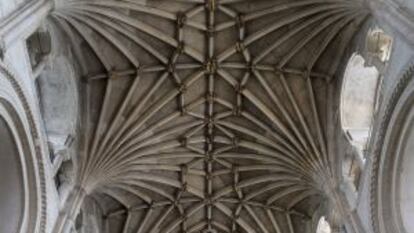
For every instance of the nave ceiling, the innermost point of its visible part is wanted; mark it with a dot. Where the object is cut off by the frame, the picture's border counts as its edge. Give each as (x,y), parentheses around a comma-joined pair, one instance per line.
(208,116)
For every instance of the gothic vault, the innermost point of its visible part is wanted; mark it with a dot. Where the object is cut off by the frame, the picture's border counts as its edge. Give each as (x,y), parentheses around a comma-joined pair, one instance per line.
(195,116)
(208,115)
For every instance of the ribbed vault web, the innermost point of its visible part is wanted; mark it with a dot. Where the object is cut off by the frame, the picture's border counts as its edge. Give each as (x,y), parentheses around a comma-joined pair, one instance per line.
(207,116)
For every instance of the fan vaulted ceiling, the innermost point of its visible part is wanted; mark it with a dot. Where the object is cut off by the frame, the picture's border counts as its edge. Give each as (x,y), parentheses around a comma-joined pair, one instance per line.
(207,115)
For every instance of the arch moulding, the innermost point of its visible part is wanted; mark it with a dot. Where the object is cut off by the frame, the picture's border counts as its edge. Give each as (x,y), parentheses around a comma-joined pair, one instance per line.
(387,157)
(15,109)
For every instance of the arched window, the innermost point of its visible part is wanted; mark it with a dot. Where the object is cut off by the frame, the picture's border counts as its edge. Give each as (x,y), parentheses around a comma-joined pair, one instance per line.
(56,83)
(358,98)
(323,226)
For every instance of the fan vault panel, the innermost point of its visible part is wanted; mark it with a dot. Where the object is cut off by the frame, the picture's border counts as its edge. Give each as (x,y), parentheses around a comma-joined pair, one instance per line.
(207,116)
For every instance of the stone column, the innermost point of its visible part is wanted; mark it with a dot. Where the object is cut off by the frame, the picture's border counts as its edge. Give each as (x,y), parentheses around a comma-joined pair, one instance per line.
(69,212)
(343,214)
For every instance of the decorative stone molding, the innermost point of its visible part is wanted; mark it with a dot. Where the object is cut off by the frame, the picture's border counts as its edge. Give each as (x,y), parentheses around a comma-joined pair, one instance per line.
(11,85)
(385,216)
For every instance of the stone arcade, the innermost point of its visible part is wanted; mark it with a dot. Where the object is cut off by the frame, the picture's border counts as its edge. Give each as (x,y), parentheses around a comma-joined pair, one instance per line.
(206,116)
